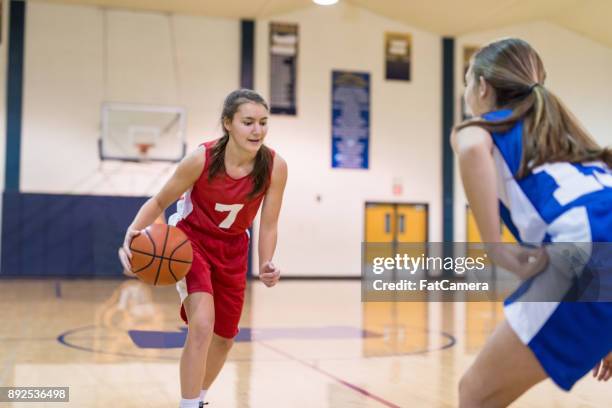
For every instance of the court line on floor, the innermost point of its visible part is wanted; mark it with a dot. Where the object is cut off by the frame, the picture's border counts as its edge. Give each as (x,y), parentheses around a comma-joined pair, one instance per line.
(354,387)
(63,340)
(53,338)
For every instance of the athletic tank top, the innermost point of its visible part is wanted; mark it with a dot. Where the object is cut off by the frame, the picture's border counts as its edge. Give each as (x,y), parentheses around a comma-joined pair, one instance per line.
(556,202)
(220,207)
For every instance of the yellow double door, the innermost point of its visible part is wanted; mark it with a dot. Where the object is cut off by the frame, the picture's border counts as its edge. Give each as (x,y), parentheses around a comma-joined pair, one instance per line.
(398,327)
(387,223)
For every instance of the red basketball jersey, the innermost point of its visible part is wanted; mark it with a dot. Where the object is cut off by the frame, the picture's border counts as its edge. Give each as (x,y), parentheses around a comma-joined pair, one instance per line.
(220,207)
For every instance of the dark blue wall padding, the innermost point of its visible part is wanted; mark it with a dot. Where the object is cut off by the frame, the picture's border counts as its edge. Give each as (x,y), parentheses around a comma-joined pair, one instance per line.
(64,235)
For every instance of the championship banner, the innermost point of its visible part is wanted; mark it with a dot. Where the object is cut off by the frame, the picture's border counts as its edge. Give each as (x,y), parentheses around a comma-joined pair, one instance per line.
(398,53)
(283,68)
(350,120)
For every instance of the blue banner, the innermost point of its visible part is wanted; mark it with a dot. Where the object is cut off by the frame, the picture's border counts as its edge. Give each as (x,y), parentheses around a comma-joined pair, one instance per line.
(350,120)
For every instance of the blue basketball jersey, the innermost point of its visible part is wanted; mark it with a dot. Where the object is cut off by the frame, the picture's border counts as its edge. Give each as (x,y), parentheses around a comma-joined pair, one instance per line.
(556,202)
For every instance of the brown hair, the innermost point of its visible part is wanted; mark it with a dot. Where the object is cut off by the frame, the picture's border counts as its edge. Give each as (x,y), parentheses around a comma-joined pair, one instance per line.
(551,132)
(263,160)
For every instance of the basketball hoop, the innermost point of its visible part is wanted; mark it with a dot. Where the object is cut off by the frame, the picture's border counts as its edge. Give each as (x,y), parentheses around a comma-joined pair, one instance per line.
(143,149)
(132,132)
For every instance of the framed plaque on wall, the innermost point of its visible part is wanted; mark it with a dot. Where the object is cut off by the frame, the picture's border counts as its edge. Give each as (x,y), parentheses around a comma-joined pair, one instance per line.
(398,56)
(283,68)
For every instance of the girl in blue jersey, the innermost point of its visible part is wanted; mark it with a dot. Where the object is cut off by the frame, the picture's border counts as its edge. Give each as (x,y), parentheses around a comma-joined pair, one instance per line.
(525,157)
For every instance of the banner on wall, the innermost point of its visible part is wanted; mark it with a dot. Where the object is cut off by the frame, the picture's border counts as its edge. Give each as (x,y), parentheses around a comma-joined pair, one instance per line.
(398,55)
(283,68)
(350,119)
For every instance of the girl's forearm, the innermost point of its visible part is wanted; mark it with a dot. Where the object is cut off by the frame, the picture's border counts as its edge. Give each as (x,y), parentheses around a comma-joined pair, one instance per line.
(147,214)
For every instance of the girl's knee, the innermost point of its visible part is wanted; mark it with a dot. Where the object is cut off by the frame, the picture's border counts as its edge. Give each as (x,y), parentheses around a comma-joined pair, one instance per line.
(200,330)
(223,343)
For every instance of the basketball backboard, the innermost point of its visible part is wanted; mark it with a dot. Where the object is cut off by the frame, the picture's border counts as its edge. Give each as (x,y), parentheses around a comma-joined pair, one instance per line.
(141,133)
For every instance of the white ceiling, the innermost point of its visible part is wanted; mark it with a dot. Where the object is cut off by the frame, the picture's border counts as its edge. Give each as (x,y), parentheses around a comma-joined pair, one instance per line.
(592,18)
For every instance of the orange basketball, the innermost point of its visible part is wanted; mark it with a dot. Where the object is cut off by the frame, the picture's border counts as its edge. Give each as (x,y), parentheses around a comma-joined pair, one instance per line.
(161,255)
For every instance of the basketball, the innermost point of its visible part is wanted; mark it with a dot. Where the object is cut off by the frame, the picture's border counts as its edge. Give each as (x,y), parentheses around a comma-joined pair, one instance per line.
(161,255)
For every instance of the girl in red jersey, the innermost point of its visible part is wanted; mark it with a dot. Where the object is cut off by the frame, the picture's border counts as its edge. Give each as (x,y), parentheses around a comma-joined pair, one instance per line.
(223,184)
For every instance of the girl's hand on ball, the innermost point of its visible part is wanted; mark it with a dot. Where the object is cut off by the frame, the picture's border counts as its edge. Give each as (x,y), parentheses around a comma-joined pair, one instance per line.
(125,255)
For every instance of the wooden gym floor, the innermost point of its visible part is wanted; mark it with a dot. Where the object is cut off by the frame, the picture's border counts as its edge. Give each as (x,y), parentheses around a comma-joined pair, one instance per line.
(302,344)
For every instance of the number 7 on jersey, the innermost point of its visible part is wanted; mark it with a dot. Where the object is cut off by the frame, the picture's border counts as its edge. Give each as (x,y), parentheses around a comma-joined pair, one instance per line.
(233,209)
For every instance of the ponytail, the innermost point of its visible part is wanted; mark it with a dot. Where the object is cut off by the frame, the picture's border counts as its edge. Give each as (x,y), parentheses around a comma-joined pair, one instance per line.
(551,132)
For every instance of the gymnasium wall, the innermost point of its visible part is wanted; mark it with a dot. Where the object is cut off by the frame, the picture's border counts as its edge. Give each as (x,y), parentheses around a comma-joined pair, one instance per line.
(578,71)
(72,67)
(77,57)
(323,238)
(72,210)
(66,80)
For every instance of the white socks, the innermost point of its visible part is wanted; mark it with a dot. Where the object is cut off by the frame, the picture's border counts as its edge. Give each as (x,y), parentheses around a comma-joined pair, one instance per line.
(190,403)
(193,403)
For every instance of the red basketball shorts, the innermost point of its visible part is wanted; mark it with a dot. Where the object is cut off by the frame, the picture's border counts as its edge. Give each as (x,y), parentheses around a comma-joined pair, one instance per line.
(219,267)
